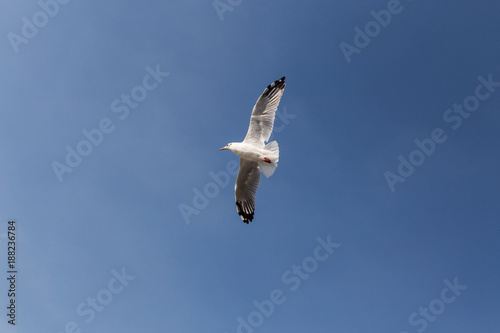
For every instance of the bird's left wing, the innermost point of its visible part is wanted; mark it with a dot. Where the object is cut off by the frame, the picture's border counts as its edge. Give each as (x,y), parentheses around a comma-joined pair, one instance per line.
(262,119)
(245,189)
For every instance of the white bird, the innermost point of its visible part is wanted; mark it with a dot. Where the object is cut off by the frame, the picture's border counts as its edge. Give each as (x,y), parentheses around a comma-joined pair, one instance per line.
(255,155)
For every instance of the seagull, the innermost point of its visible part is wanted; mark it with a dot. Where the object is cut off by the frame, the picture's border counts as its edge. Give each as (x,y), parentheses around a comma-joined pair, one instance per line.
(255,155)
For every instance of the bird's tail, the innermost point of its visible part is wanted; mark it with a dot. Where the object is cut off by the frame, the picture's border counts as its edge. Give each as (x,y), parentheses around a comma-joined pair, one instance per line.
(273,153)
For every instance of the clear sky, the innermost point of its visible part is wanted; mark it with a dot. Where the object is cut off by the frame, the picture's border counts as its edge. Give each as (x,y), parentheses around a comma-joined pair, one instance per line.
(383,215)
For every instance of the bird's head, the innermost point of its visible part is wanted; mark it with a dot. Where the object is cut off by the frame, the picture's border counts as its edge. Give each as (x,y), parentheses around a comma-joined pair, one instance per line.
(227,147)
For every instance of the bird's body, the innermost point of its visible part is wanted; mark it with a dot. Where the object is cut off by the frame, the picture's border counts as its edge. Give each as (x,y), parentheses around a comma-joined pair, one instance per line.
(249,152)
(255,155)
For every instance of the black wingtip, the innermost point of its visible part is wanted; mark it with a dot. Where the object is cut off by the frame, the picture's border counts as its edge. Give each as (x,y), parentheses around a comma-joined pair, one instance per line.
(244,216)
(275,86)
(279,82)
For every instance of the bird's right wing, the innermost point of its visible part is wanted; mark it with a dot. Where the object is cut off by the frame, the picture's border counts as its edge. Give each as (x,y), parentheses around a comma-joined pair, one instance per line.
(245,189)
(262,119)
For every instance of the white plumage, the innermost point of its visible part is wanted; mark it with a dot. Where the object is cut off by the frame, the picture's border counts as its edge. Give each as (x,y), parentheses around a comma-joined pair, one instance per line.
(255,155)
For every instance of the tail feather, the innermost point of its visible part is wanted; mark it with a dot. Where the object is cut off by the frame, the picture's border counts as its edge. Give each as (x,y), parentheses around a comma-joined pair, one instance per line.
(273,153)
(268,168)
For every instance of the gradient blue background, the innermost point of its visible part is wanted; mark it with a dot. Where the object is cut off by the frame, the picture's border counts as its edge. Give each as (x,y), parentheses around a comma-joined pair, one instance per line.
(119,207)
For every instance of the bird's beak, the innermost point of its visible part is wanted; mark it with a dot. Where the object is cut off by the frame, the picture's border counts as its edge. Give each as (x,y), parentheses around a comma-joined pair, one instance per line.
(223,148)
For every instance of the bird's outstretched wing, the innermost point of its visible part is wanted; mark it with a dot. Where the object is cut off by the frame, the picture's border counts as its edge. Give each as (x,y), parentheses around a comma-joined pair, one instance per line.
(262,119)
(245,188)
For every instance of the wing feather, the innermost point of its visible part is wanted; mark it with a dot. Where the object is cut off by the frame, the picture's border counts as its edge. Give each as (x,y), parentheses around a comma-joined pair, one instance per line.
(245,189)
(263,113)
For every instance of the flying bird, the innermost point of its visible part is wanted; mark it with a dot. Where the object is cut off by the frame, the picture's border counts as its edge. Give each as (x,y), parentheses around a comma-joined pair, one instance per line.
(255,155)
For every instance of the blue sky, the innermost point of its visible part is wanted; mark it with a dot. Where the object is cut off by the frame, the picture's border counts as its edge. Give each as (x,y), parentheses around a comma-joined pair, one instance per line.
(105,247)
